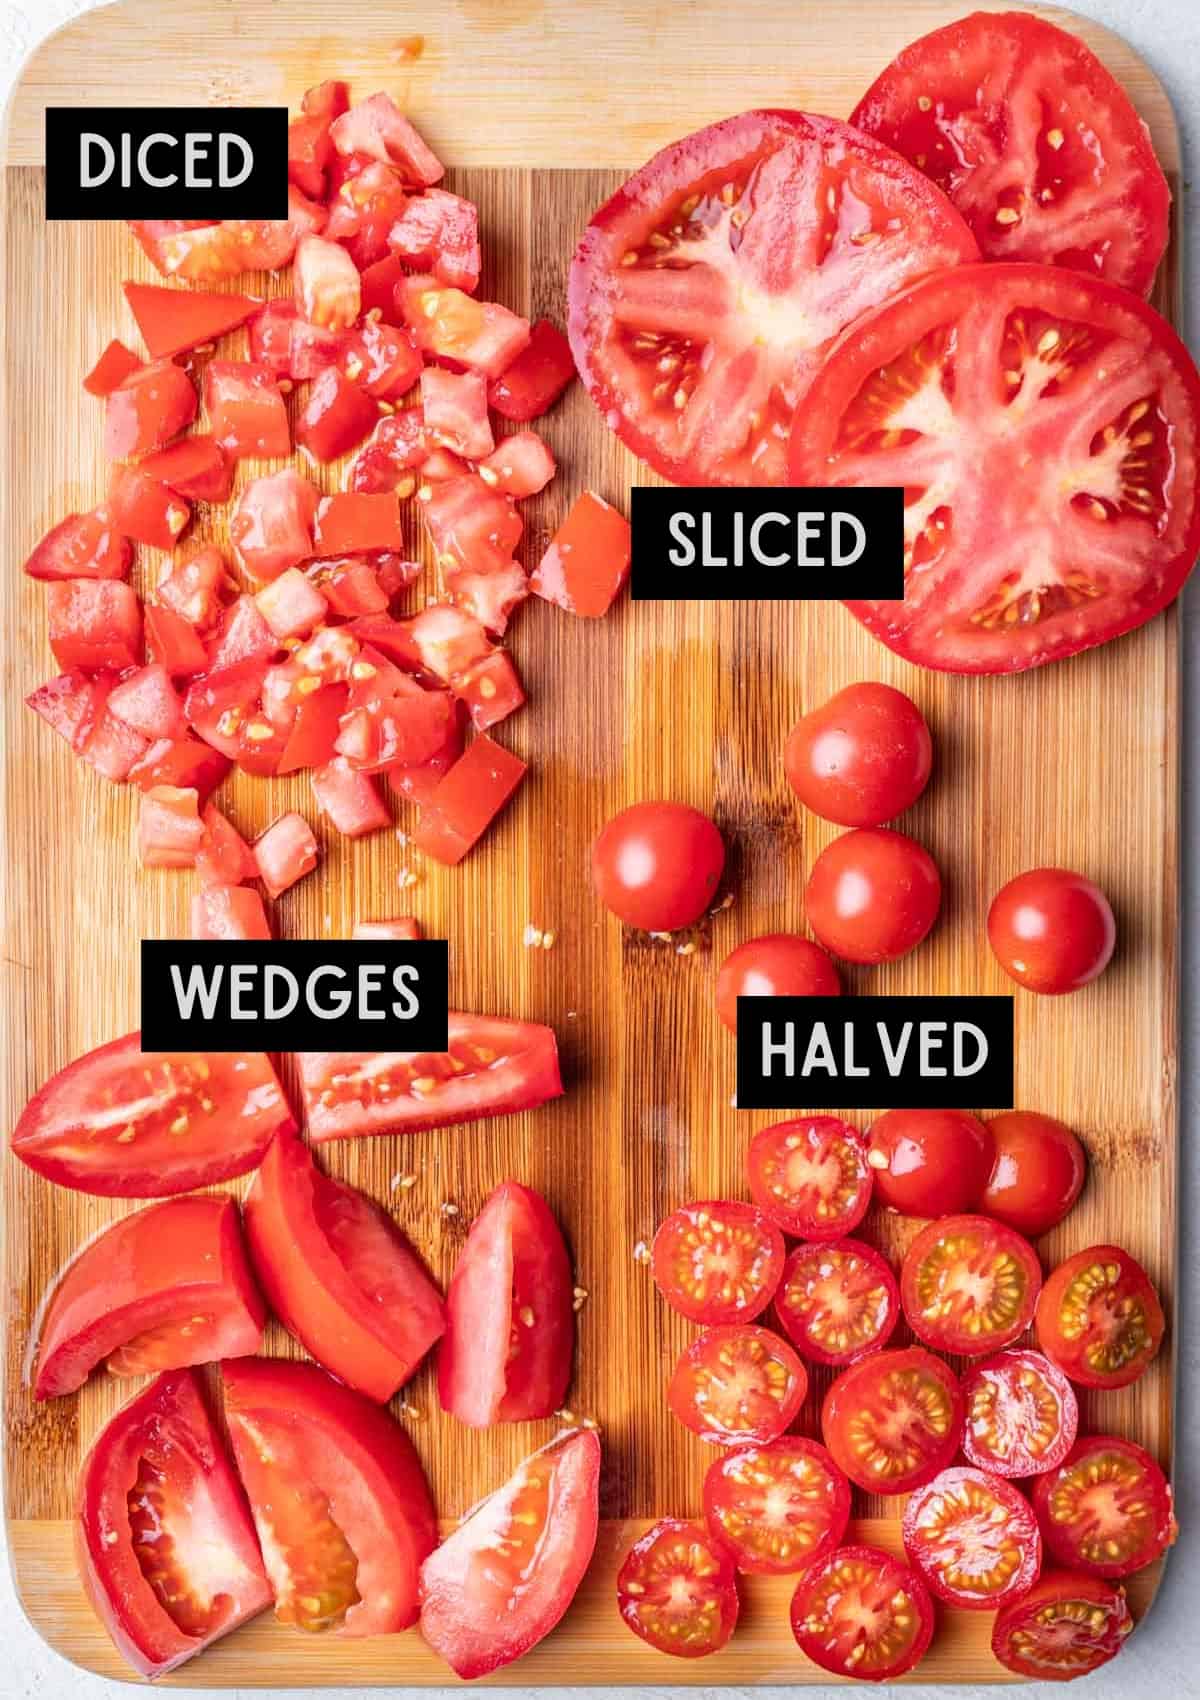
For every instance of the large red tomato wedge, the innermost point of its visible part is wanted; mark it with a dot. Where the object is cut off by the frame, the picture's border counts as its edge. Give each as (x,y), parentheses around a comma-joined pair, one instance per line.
(166,1546)
(703,294)
(1044,428)
(503,1579)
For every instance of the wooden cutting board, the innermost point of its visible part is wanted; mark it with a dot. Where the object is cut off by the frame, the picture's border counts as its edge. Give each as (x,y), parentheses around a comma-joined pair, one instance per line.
(540,109)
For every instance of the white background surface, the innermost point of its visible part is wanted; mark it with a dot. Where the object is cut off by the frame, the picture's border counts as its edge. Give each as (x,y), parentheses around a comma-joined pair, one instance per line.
(1163,1663)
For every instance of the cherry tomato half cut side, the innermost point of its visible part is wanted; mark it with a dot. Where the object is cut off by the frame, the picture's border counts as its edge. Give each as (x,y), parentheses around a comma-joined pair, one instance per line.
(1067,1625)
(894,1420)
(1106,1509)
(1099,1318)
(862,1613)
(838,1302)
(737,1383)
(969,1285)
(974,1538)
(717,1262)
(810,1176)
(777,1508)
(677,1590)
(1021,1414)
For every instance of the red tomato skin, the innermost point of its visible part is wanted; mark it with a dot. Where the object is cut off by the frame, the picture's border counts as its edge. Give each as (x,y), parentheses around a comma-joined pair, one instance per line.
(1051,931)
(718,1580)
(1019,1522)
(1149,1488)
(944,1335)
(1038,1172)
(793,1325)
(1009,1375)
(713,1341)
(172,320)
(733,1224)
(862,758)
(246,410)
(1065,1589)
(893,1574)
(1070,1353)
(930,1162)
(777,965)
(95,624)
(466,800)
(657,866)
(116,363)
(822,1140)
(354,525)
(850,1392)
(587,560)
(873,895)
(533,382)
(154,404)
(336,417)
(82,546)
(721,1488)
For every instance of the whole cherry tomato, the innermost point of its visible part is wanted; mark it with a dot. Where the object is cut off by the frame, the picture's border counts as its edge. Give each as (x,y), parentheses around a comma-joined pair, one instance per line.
(1038,1172)
(777,965)
(657,865)
(1051,930)
(862,758)
(873,895)
(929,1162)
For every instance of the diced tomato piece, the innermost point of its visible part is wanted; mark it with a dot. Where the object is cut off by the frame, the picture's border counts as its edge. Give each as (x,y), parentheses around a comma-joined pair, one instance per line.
(467,800)
(443,640)
(172,642)
(186,762)
(521,465)
(471,526)
(377,128)
(349,799)
(309,150)
(325,281)
(287,345)
(336,417)
(397,447)
(95,623)
(395,573)
(315,727)
(193,587)
(224,857)
(587,561)
(439,466)
(146,510)
(272,525)
(113,367)
(260,746)
(246,410)
(491,689)
(352,588)
(82,546)
(154,404)
(285,852)
(229,912)
(389,718)
(218,704)
(72,704)
(148,701)
(356,525)
(197,468)
(113,748)
(369,200)
(379,289)
(403,927)
(243,635)
(171,320)
(290,605)
(451,325)
(170,830)
(393,637)
(382,359)
(536,377)
(205,252)
(491,594)
(439,233)
(326,100)
(455,409)
(418,784)
(330,653)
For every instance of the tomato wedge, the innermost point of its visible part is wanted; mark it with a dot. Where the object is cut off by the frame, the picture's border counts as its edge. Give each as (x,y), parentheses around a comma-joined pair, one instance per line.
(1107,1509)
(121,1122)
(894,1420)
(1099,1318)
(510,1320)
(339,1498)
(718,1261)
(777,1508)
(1021,1414)
(974,1538)
(677,1590)
(705,292)
(810,1176)
(862,1613)
(1067,1625)
(838,1302)
(737,1383)
(969,1285)
(501,1581)
(1044,426)
(166,1547)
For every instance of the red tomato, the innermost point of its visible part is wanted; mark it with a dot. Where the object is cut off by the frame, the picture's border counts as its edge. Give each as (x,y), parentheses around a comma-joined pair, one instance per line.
(974,1538)
(166,1547)
(533,382)
(291,605)
(777,965)
(154,404)
(224,857)
(705,292)
(439,233)
(325,281)
(472,526)
(396,448)
(1021,1414)
(1035,142)
(246,411)
(490,689)
(121,1122)
(510,1320)
(383,359)
(862,1613)
(172,320)
(403,927)
(310,149)
(894,1420)
(969,1285)
(197,467)
(113,748)
(349,798)
(73,704)
(193,587)
(82,546)
(285,852)
(145,509)
(466,800)
(336,417)
(170,831)
(1067,1625)
(454,407)
(379,289)
(930,1162)
(148,701)
(186,762)
(378,129)
(987,372)
(658,865)
(1051,930)
(340,1501)
(677,1590)
(810,1176)
(203,251)
(449,325)
(228,912)
(500,1581)
(737,1383)
(587,561)
(165,1287)
(1099,1318)
(326,100)
(718,1262)
(862,758)
(94,623)
(368,201)
(357,525)
(1107,1509)
(115,364)
(493,1067)
(872,895)
(777,1508)
(1038,1172)
(272,525)
(288,346)
(838,1302)
(521,465)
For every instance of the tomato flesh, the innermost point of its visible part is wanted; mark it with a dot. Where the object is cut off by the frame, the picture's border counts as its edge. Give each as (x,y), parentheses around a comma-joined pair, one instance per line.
(1038,1172)
(1051,930)
(172,320)
(717,1262)
(737,1383)
(969,1285)
(777,1508)
(466,799)
(929,1162)
(1067,1625)
(838,1302)
(1099,1318)
(1021,1414)
(810,1176)
(1106,1509)
(862,758)
(974,1538)
(587,560)
(677,1590)
(862,1613)
(894,1420)
(658,865)
(872,895)
(533,382)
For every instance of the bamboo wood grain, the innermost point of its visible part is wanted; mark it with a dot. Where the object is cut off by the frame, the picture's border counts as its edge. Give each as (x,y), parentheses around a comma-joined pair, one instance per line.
(1077,765)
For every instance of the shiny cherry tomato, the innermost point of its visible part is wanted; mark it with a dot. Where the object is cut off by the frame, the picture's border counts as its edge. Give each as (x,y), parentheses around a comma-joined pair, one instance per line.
(929,1162)
(838,1302)
(678,1591)
(894,1420)
(872,895)
(1107,1509)
(974,1538)
(1099,1318)
(657,865)
(737,1384)
(969,1285)
(1067,1625)
(777,1508)
(1021,1414)
(1051,930)
(778,965)
(862,1613)
(718,1262)
(810,1176)
(1038,1172)
(862,758)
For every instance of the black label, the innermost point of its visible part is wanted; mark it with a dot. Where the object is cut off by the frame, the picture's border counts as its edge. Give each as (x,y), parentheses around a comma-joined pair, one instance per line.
(111,162)
(294,995)
(702,545)
(880,1053)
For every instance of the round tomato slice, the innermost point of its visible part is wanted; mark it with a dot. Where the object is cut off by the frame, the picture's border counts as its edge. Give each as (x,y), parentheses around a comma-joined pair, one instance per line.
(1021,1414)
(838,1302)
(862,1613)
(1044,427)
(969,1285)
(677,1590)
(810,1176)
(121,1122)
(703,294)
(1107,1509)
(974,1538)
(894,1420)
(1035,142)
(737,1384)
(1099,1318)
(1067,1625)
(777,1508)
(718,1262)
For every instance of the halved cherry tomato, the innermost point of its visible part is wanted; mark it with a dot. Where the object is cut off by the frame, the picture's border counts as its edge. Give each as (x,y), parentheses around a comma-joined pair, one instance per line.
(165,1287)
(974,1538)
(1099,1318)
(82,546)
(1067,1625)
(678,1591)
(285,852)
(335,418)
(171,320)
(348,798)
(810,1176)
(587,560)
(121,1122)
(228,912)
(501,1581)
(246,411)
(439,233)
(1051,930)
(930,1162)
(510,1321)
(272,525)
(450,325)
(115,364)
(893,1420)
(777,1508)
(838,1302)
(466,800)
(166,1546)
(1106,1509)
(1038,1171)
(872,895)
(146,509)
(377,128)
(357,525)
(737,1383)
(340,1501)
(718,1262)
(658,865)
(454,406)
(1021,1414)
(862,758)
(170,831)
(777,965)
(325,280)
(94,623)
(148,701)
(969,1285)
(531,383)
(196,467)
(863,1614)
(154,404)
